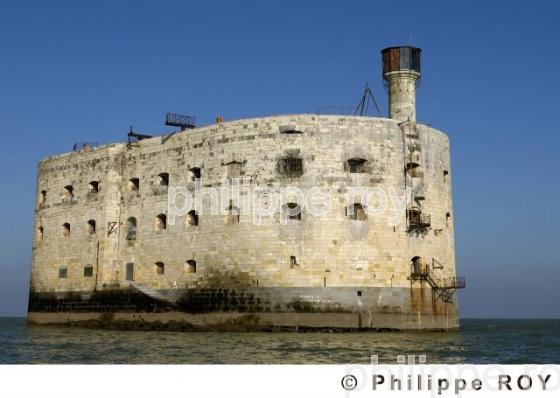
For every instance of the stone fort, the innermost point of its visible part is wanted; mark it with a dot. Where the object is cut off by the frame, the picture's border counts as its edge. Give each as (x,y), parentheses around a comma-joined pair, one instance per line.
(106,252)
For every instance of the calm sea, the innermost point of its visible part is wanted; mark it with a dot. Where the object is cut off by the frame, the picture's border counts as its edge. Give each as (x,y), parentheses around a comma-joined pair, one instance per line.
(479,342)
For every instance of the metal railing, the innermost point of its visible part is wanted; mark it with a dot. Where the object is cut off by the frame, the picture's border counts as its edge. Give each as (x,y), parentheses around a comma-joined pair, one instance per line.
(445,287)
(178,120)
(419,220)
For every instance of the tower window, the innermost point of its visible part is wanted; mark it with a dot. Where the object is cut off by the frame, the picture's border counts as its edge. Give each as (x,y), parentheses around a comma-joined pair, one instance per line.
(293,262)
(416,265)
(233,169)
(94,187)
(417,219)
(91,227)
(66,230)
(134,185)
(195,173)
(63,272)
(448,220)
(414,169)
(357,212)
(40,233)
(68,192)
(88,271)
(414,216)
(192,218)
(161,222)
(357,165)
(445,176)
(293,210)
(43,197)
(163,179)
(290,166)
(131,228)
(160,268)
(190,266)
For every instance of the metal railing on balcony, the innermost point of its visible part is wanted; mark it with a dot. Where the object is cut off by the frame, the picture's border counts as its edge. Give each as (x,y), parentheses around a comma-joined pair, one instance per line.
(417,219)
(178,120)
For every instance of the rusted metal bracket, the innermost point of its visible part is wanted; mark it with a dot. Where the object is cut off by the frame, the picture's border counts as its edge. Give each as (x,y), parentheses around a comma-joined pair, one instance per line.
(112,226)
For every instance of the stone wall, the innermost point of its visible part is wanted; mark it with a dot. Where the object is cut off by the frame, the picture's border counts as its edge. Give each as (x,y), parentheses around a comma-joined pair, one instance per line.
(331,251)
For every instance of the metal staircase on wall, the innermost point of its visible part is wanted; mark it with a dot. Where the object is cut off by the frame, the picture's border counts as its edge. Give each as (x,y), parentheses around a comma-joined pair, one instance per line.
(444,288)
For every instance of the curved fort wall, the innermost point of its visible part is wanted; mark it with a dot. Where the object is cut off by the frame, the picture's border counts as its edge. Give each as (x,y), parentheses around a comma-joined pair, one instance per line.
(328,263)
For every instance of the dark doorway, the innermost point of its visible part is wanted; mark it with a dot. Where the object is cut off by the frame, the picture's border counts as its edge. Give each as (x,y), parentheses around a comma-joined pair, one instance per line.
(416,265)
(129,271)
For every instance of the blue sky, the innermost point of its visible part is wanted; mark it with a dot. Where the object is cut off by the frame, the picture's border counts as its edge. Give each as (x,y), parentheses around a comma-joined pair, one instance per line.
(84,71)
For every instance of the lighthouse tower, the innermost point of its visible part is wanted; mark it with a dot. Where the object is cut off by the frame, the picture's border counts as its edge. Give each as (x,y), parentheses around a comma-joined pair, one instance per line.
(401,72)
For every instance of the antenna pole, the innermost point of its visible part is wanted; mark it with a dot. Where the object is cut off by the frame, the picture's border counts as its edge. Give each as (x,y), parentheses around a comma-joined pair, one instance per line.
(363,104)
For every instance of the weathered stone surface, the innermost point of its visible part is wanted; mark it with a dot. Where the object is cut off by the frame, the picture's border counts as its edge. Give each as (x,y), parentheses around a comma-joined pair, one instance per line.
(331,252)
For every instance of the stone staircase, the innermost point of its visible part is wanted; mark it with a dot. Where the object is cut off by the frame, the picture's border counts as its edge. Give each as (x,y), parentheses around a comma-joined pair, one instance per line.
(148,291)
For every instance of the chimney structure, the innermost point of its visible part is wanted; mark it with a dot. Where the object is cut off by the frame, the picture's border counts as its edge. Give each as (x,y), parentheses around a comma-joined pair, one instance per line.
(401,72)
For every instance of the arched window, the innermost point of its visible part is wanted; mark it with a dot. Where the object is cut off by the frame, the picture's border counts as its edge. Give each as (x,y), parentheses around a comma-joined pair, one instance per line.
(416,265)
(40,233)
(289,129)
(66,229)
(93,190)
(163,179)
(43,197)
(160,268)
(195,173)
(68,192)
(357,212)
(131,228)
(357,165)
(133,185)
(293,210)
(161,222)
(445,176)
(233,214)
(413,169)
(448,220)
(91,227)
(63,272)
(192,218)
(94,187)
(293,262)
(190,266)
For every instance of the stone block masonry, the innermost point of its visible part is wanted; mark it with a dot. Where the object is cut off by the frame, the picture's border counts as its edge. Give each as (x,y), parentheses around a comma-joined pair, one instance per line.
(101,226)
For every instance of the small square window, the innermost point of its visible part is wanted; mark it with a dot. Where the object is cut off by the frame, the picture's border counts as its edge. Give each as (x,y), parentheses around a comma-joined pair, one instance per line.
(63,272)
(88,271)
